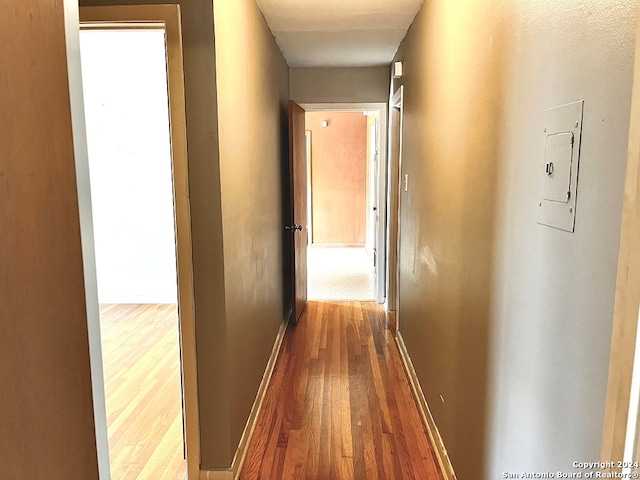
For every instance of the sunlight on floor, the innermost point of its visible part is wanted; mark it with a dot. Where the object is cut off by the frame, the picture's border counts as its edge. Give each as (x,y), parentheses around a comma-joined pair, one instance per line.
(140,348)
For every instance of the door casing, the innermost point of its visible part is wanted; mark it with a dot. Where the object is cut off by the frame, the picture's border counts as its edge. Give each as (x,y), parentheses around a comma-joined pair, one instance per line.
(137,16)
(394,187)
(381,231)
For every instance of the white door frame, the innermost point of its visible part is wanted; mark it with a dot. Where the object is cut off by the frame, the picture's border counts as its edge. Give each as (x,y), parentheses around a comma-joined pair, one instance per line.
(381,233)
(307,137)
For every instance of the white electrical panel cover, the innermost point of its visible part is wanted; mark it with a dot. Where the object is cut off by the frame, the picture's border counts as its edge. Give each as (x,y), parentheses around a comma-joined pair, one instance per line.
(559,168)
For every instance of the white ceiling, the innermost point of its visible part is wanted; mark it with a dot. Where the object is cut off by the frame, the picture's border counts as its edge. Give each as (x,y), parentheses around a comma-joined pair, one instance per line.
(339,33)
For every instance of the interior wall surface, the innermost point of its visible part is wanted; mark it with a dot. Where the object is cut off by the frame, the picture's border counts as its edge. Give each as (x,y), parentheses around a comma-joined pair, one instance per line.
(339,85)
(253,93)
(338,177)
(508,320)
(206,223)
(48,428)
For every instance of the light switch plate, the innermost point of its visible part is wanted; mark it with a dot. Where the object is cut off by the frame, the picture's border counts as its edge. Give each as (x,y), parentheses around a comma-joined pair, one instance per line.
(562,134)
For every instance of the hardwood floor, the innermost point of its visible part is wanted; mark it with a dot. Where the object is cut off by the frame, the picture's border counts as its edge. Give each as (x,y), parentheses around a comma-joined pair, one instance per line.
(339,405)
(142,381)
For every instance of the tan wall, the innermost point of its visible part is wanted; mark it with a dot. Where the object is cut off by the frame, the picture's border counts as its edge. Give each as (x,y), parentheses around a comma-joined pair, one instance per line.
(508,320)
(338,177)
(339,85)
(253,90)
(47,426)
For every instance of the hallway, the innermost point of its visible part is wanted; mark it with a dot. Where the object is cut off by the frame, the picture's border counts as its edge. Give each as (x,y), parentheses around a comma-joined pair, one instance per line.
(339,404)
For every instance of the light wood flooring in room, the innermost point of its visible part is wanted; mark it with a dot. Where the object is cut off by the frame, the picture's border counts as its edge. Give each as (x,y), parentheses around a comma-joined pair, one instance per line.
(339,404)
(140,352)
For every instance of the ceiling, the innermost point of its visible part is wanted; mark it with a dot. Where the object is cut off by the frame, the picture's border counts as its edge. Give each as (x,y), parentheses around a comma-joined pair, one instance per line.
(339,33)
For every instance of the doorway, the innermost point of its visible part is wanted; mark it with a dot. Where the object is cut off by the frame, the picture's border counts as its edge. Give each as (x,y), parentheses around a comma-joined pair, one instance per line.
(165,18)
(128,134)
(396,185)
(344,157)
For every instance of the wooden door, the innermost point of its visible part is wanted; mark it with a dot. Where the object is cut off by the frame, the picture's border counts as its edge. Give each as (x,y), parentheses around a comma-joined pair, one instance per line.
(297,227)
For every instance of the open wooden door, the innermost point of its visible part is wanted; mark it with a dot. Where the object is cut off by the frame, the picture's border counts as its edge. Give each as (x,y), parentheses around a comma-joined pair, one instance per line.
(297,227)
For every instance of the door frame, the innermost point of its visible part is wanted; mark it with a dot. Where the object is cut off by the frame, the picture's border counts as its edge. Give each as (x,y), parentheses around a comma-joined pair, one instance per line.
(139,16)
(394,198)
(307,137)
(381,233)
(619,431)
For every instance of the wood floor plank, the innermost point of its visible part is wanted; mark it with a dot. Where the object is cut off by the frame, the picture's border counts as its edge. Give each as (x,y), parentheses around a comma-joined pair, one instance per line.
(312,422)
(339,404)
(140,349)
(345,398)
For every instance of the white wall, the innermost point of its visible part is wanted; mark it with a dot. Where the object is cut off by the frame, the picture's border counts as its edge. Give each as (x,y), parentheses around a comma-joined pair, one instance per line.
(125,92)
(555,290)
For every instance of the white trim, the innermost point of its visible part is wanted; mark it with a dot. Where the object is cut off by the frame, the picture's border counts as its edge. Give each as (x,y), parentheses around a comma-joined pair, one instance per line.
(381,234)
(233,472)
(241,452)
(76,100)
(423,407)
(308,139)
(155,299)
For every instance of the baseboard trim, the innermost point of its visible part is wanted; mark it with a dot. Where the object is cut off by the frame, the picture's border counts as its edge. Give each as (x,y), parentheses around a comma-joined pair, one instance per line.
(337,245)
(216,475)
(427,418)
(241,452)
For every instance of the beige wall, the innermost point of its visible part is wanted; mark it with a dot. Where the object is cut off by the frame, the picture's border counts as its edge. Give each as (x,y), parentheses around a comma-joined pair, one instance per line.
(338,177)
(508,320)
(339,85)
(253,89)
(47,425)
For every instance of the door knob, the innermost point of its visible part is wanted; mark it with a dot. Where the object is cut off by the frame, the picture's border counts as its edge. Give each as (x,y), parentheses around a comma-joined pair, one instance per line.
(293,227)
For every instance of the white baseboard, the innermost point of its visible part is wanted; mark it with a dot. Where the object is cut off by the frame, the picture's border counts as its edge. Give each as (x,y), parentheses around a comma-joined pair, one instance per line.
(241,452)
(143,299)
(427,418)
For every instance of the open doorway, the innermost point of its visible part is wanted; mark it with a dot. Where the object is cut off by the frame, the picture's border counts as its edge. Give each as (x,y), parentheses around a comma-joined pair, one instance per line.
(168,18)
(343,150)
(124,74)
